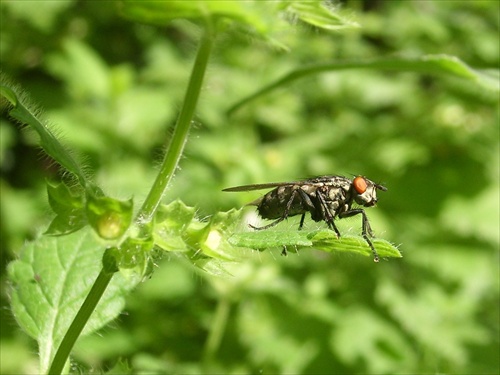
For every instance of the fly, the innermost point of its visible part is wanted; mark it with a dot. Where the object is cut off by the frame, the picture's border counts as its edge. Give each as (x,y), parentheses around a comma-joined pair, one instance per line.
(325,198)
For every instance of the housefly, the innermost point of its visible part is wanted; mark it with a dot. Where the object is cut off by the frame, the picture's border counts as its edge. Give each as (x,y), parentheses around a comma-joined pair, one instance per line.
(325,198)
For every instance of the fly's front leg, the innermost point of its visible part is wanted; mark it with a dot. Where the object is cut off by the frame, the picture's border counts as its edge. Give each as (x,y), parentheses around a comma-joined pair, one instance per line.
(365,228)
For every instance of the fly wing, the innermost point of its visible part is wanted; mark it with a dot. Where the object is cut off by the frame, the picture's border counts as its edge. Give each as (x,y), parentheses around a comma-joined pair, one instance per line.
(258,186)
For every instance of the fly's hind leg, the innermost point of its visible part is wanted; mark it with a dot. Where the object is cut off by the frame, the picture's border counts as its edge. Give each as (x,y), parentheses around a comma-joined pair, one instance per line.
(283,217)
(306,199)
(268,225)
(302,221)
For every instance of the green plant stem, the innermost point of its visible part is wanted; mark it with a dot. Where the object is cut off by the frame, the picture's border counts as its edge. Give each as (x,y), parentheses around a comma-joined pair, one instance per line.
(217,330)
(169,165)
(431,64)
(181,130)
(48,141)
(172,157)
(81,318)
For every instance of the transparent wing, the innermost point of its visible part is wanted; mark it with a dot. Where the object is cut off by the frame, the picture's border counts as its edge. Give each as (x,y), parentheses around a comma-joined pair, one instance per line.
(259,186)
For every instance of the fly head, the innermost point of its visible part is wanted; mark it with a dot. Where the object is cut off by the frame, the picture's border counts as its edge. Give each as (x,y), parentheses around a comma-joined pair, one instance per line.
(365,191)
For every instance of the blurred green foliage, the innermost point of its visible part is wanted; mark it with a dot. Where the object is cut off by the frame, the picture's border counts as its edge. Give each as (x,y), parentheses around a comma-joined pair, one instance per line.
(113,89)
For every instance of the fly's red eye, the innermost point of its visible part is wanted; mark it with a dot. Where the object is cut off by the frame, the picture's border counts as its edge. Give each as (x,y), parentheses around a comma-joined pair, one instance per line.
(360,184)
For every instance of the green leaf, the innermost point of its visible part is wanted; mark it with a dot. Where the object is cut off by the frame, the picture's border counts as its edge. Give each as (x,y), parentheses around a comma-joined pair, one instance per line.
(265,19)
(51,279)
(68,207)
(109,217)
(317,14)
(324,240)
(170,223)
(174,217)
(263,16)
(61,199)
(439,65)
(66,223)
(177,229)
(261,240)
(48,140)
(213,266)
(448,328)
(380,341)
(163,12)
(213,240)
(44,19)
(84,72)
(8,94)
(134,254)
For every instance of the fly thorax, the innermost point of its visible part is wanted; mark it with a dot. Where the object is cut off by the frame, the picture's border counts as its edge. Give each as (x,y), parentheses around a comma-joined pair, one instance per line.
(336,195)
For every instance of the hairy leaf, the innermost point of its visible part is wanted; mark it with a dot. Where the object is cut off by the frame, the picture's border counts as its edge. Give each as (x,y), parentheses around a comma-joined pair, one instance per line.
(48,140)
(51,279)
(68,207)
(324,240)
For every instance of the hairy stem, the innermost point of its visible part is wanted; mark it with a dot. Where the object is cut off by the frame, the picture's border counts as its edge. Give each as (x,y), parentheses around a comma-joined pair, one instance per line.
(81,318)
(172,157)
(181,130)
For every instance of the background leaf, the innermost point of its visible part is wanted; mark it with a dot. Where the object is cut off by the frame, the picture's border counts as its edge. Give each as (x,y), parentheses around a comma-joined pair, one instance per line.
(430,136)
(48,140)
(51,279)
(320,14)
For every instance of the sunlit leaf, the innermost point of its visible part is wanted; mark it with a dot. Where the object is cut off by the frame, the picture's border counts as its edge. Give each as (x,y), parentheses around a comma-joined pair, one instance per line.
(51,279)
(318,14)
(261,240)
(324,240)
(68,207)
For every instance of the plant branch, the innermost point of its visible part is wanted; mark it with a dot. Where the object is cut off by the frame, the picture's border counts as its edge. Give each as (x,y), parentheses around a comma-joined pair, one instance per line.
(431,64)
(181,130)
(81,318)
(170,162)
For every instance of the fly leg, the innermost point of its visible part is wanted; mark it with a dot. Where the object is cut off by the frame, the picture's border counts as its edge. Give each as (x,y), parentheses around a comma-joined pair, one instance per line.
(306,199)
(283,217)
(327,215)
(302,221)
(308,202)
(365,229)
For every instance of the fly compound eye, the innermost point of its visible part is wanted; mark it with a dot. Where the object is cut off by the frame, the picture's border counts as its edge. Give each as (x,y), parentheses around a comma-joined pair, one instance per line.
(360,184)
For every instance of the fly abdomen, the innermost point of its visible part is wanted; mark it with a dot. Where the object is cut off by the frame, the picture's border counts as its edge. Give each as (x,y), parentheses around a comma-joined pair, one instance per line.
(274,204)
